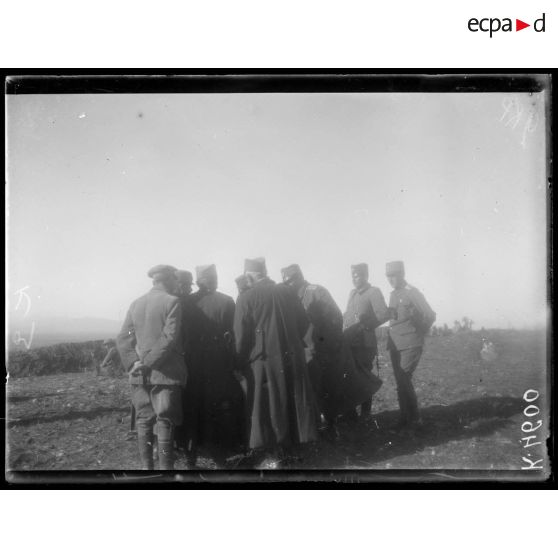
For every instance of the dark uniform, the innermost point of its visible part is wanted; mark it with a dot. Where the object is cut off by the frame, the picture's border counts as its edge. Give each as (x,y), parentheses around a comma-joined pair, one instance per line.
(366,310)
(187,436)
(270,324)
(411,319)
(150,336)
(325,357)
(221,409)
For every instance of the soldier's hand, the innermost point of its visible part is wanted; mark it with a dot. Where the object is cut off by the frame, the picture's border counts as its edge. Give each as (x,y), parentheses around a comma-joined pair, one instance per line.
(138,369)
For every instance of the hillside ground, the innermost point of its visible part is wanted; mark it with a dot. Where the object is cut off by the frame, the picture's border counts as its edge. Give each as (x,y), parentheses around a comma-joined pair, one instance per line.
(472,413)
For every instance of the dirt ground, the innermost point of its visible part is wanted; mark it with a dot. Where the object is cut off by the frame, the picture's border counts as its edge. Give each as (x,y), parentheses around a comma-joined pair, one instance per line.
(472,416)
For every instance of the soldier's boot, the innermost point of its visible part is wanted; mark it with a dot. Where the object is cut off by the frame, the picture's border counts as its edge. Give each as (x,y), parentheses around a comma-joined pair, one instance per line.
(145,445)
(165,445)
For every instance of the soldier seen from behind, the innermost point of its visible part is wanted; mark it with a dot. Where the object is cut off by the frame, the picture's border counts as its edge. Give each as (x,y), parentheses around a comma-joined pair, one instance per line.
(149,344)
(188,433)
(270,325)
(410,320)
(366,310)
(323,340)
(222,414)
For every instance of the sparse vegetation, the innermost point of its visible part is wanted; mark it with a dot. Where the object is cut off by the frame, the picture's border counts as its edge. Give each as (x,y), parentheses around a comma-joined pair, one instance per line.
(472,416)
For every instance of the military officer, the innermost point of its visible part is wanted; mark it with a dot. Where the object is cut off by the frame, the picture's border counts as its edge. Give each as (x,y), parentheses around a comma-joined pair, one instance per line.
(366,310)
(149,344)
(270,325)
(222,401)
(410,319)
(323,340)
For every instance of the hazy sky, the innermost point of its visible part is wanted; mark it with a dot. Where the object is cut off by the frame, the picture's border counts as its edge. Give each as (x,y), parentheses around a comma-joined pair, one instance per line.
(102,187)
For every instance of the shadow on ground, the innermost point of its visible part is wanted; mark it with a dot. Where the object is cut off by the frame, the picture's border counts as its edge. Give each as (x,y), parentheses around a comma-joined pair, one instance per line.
(22,398)
(70,415)
(378,439)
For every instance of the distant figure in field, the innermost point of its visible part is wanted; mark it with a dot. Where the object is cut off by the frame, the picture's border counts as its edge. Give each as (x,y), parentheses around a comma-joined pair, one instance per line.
(366,310)
(446,331)
(410,319)
(151,351)
(457,327)
(488,352)
(488,355)
(111,365)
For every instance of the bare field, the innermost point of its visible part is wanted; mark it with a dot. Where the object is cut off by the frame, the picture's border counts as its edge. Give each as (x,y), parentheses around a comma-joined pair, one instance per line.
(472,416)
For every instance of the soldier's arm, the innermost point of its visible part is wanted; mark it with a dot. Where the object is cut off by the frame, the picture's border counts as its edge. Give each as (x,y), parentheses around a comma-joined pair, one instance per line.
(302,321)
(379,309)
(126,342)
(346,315)
(379,305)
(428,316)
(243,330)
(169,340)
(331,311)
(229,316)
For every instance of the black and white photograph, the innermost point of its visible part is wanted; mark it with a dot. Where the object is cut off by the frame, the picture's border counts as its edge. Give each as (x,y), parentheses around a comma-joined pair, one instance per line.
(326,277)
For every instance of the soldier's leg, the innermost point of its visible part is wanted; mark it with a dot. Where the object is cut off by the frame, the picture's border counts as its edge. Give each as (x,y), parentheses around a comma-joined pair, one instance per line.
(409,359)
(364,359)
(145,419)
(400,381)
(167,403)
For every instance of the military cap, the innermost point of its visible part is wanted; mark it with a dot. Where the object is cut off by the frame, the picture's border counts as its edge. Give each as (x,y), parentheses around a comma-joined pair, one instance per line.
(108,342)
(255,265)
(161,271)
(395,268)
(290,271)
(184,276)
(206,272)
(361,268)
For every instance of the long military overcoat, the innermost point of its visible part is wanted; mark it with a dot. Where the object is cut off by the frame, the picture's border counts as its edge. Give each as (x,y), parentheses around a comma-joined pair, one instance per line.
(269,326)
(221,406)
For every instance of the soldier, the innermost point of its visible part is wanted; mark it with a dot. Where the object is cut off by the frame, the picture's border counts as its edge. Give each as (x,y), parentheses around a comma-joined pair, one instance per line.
(366,310)
(150,348)
(410,319)
(111,365)
(323,340)
(188,433)
(222,407)
(269,326)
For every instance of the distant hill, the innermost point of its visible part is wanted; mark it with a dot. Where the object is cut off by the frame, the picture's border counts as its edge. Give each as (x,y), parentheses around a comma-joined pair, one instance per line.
(53,330)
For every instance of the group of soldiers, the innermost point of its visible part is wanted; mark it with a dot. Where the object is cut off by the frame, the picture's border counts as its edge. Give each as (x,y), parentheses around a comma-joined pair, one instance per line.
(263,374)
